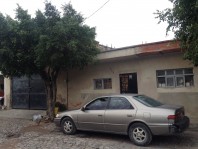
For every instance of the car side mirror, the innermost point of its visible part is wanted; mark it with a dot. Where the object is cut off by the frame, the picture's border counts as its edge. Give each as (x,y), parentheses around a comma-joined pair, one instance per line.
(83,109)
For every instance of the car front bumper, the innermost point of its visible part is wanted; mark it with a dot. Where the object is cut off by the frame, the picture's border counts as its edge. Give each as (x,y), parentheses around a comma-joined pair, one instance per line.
(180,126)
(57,121)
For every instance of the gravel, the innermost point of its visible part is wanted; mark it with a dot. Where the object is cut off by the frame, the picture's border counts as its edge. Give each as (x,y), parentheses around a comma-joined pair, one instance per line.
(25,134)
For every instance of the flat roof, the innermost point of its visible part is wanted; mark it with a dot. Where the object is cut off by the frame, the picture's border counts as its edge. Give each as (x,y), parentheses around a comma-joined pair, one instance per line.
(161,47)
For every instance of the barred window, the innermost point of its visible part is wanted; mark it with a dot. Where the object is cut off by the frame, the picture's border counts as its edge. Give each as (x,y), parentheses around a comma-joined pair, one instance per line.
(105,83)
(182,77)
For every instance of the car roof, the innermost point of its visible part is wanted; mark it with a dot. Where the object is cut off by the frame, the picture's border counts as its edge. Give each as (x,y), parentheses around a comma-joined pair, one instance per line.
(120,95)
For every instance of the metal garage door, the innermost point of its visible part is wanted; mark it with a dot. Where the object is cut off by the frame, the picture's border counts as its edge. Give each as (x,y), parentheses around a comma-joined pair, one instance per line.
(28,93)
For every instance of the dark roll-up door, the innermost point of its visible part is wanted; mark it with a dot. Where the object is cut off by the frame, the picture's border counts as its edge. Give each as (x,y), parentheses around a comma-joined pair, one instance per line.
(28,93)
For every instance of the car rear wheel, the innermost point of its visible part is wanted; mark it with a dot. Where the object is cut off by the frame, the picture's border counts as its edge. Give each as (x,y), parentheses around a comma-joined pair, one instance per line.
(68,126)
(139,134)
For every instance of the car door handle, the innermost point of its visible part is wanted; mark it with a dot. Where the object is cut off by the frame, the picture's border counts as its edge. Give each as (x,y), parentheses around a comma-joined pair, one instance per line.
(129,115)
(99,115)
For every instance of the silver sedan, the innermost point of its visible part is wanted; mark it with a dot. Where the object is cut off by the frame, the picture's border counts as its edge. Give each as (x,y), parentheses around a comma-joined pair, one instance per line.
(138,116)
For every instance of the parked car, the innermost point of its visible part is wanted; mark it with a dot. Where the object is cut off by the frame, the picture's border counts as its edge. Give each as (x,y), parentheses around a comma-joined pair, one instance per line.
(138,116)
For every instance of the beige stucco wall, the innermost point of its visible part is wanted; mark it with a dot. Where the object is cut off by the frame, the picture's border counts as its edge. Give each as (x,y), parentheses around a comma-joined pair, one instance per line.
(7,92)
(81,86)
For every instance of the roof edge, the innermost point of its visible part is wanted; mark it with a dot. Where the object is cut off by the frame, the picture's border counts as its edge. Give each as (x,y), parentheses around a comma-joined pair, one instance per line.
(140,45)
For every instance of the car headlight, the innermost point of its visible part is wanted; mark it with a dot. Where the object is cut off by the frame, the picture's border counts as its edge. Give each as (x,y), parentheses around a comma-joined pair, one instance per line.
(57,115)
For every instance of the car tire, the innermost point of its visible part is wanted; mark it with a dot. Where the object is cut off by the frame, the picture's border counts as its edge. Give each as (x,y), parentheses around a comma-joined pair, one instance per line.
(68,126)
(140,134)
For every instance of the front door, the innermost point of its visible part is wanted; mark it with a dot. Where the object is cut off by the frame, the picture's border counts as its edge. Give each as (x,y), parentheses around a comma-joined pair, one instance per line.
(28,93)
(92,118)
(128,83)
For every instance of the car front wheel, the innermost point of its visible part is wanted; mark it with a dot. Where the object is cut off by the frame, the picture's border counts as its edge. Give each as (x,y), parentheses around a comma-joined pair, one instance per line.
(68,126)
(139,134)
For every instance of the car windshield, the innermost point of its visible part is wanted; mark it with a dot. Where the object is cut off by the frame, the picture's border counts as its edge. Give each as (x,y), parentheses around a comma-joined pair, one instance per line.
(147,101)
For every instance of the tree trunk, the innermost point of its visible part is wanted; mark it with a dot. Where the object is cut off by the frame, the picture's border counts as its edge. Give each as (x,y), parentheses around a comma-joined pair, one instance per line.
(67,82)
(50,79)
(51,99)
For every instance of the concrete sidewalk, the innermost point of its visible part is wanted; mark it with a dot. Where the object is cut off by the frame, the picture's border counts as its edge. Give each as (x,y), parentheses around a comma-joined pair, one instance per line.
(21,114)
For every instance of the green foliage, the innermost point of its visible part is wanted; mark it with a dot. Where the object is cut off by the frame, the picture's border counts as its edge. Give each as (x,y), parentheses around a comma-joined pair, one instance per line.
(50,40)
(46,44)
(183,20)
(16,44)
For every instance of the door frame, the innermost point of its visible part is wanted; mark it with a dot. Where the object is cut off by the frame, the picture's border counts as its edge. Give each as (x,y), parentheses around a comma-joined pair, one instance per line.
(125,87)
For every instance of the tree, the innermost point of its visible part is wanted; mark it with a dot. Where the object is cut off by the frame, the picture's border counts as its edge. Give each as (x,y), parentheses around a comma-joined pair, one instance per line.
(45,45)
(183,20)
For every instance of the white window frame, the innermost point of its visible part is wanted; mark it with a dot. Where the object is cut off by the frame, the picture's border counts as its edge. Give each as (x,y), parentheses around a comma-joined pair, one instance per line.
(183,75)
(102,85)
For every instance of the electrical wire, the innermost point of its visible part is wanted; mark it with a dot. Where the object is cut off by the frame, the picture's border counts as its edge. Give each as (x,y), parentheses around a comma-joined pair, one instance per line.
(96,10)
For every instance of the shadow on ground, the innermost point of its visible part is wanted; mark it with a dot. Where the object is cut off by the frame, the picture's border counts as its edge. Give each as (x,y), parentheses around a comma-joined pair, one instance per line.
(187,139)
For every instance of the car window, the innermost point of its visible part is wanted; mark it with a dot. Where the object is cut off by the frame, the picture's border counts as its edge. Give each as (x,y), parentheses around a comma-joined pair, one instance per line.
(119,103)
(147,101)
(98,104)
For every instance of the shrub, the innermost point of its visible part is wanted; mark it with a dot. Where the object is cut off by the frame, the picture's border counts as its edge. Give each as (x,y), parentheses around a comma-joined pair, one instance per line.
(61,107)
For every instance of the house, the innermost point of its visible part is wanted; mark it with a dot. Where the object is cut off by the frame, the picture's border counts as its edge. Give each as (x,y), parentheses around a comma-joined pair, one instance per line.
(155,69)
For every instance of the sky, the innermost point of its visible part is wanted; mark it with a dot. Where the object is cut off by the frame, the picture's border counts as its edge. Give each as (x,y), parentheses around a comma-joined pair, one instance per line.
(119,23)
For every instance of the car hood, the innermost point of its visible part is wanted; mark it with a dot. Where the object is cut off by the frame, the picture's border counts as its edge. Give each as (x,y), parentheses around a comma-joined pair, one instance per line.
(172,107)
(68,112)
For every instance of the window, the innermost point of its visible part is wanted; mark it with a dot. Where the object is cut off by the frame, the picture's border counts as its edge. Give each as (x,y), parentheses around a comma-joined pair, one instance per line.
(182,77)
(98,84)
(103,83)
(98,104)
(147,101)
(119,103)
